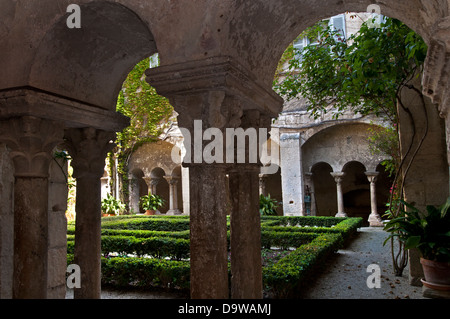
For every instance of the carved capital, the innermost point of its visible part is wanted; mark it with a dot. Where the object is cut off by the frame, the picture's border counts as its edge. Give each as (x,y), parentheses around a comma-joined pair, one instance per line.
(88,148)
(372,176)
(338,177)
(172,180)
(218,74)
(31,141)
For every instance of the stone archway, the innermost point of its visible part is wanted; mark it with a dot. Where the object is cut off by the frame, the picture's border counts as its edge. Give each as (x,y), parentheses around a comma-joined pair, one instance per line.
(324,189)
(356,190)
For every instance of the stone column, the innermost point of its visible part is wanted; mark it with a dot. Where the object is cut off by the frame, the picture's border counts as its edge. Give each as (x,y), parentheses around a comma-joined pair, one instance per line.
(212,92)
(338,176)
(173,195)
(292,174)
(374,217)
(262,184)
(151,184)
(208,232)
(245,231)
(31,141)
(88,148)
(309,181)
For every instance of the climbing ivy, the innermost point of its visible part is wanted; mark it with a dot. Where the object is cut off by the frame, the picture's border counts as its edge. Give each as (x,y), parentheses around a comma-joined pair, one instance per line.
(150,114)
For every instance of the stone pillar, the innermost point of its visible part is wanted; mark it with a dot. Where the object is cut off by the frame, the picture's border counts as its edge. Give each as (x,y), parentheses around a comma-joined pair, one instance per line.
(338,176)
(208,232)
(31,141)
(246,267)
(292,174)
(151,184)
(310,182)
(213,92)
(173,195)
(374,217)
(262,184)
(88,148)
(6,223)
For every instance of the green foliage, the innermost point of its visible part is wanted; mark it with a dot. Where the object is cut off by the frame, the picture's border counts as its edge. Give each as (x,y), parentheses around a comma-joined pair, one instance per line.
(111,205)
(164,241)
(385,141)
(267,205)
(146,272)
(363,73)
(151,202)
(155,223)
(149,112)
(428,231)
(284,278)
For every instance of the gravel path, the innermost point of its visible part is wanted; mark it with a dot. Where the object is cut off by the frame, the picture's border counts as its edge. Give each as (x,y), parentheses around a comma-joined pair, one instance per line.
(346,275)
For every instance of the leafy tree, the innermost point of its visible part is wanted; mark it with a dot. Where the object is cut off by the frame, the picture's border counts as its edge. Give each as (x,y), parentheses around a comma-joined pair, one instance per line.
(365,74)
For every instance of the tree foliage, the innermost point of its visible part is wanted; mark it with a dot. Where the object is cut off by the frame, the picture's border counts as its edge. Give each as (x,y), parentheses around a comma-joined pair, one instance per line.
(364,73)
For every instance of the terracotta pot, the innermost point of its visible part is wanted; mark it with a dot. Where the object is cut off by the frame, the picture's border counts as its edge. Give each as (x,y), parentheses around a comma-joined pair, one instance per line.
(436,272)
(150,212)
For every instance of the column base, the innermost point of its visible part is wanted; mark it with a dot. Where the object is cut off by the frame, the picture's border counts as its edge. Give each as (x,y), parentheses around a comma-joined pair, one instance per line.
(375,221)
(174,212)
(341,214)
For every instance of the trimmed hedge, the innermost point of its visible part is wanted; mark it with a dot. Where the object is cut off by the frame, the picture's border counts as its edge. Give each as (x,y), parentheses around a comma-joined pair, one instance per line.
(146,272)
(285,278)
(149,223)
(167,237)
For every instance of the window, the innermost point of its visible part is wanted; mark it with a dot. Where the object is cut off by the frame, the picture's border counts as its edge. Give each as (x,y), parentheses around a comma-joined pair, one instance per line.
(337,23)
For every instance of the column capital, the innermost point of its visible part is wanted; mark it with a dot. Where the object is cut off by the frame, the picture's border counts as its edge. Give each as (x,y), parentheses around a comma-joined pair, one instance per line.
(215,74)
(88,148)
(172,180)
(372,176)
(31,141)
(338,176)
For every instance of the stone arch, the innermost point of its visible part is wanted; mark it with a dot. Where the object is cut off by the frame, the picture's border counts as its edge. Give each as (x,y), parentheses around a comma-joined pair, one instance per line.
(356,190)
(159,186)
(324,189)
(269,27)
(90,64)
(338,145)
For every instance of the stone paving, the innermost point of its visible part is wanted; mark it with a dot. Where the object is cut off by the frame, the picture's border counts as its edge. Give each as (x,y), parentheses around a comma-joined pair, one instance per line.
(346,275)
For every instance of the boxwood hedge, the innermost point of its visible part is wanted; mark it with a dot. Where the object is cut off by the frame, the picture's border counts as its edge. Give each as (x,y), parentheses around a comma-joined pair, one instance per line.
(154,250)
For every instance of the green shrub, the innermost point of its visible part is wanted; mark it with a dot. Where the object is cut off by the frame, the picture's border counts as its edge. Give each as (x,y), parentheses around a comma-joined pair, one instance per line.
(146,272)
(159,237)
(283,279)
(148,223)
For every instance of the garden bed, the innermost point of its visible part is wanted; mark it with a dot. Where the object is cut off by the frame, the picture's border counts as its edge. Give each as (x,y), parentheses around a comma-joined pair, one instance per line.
(153,251)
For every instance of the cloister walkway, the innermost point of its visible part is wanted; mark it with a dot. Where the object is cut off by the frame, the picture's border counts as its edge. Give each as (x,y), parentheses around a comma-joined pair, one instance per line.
(345,277)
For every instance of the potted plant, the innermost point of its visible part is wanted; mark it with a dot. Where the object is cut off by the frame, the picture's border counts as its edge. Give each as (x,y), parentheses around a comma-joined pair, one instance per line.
(429,232)
(267,205)
(150,203)
(112,206)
